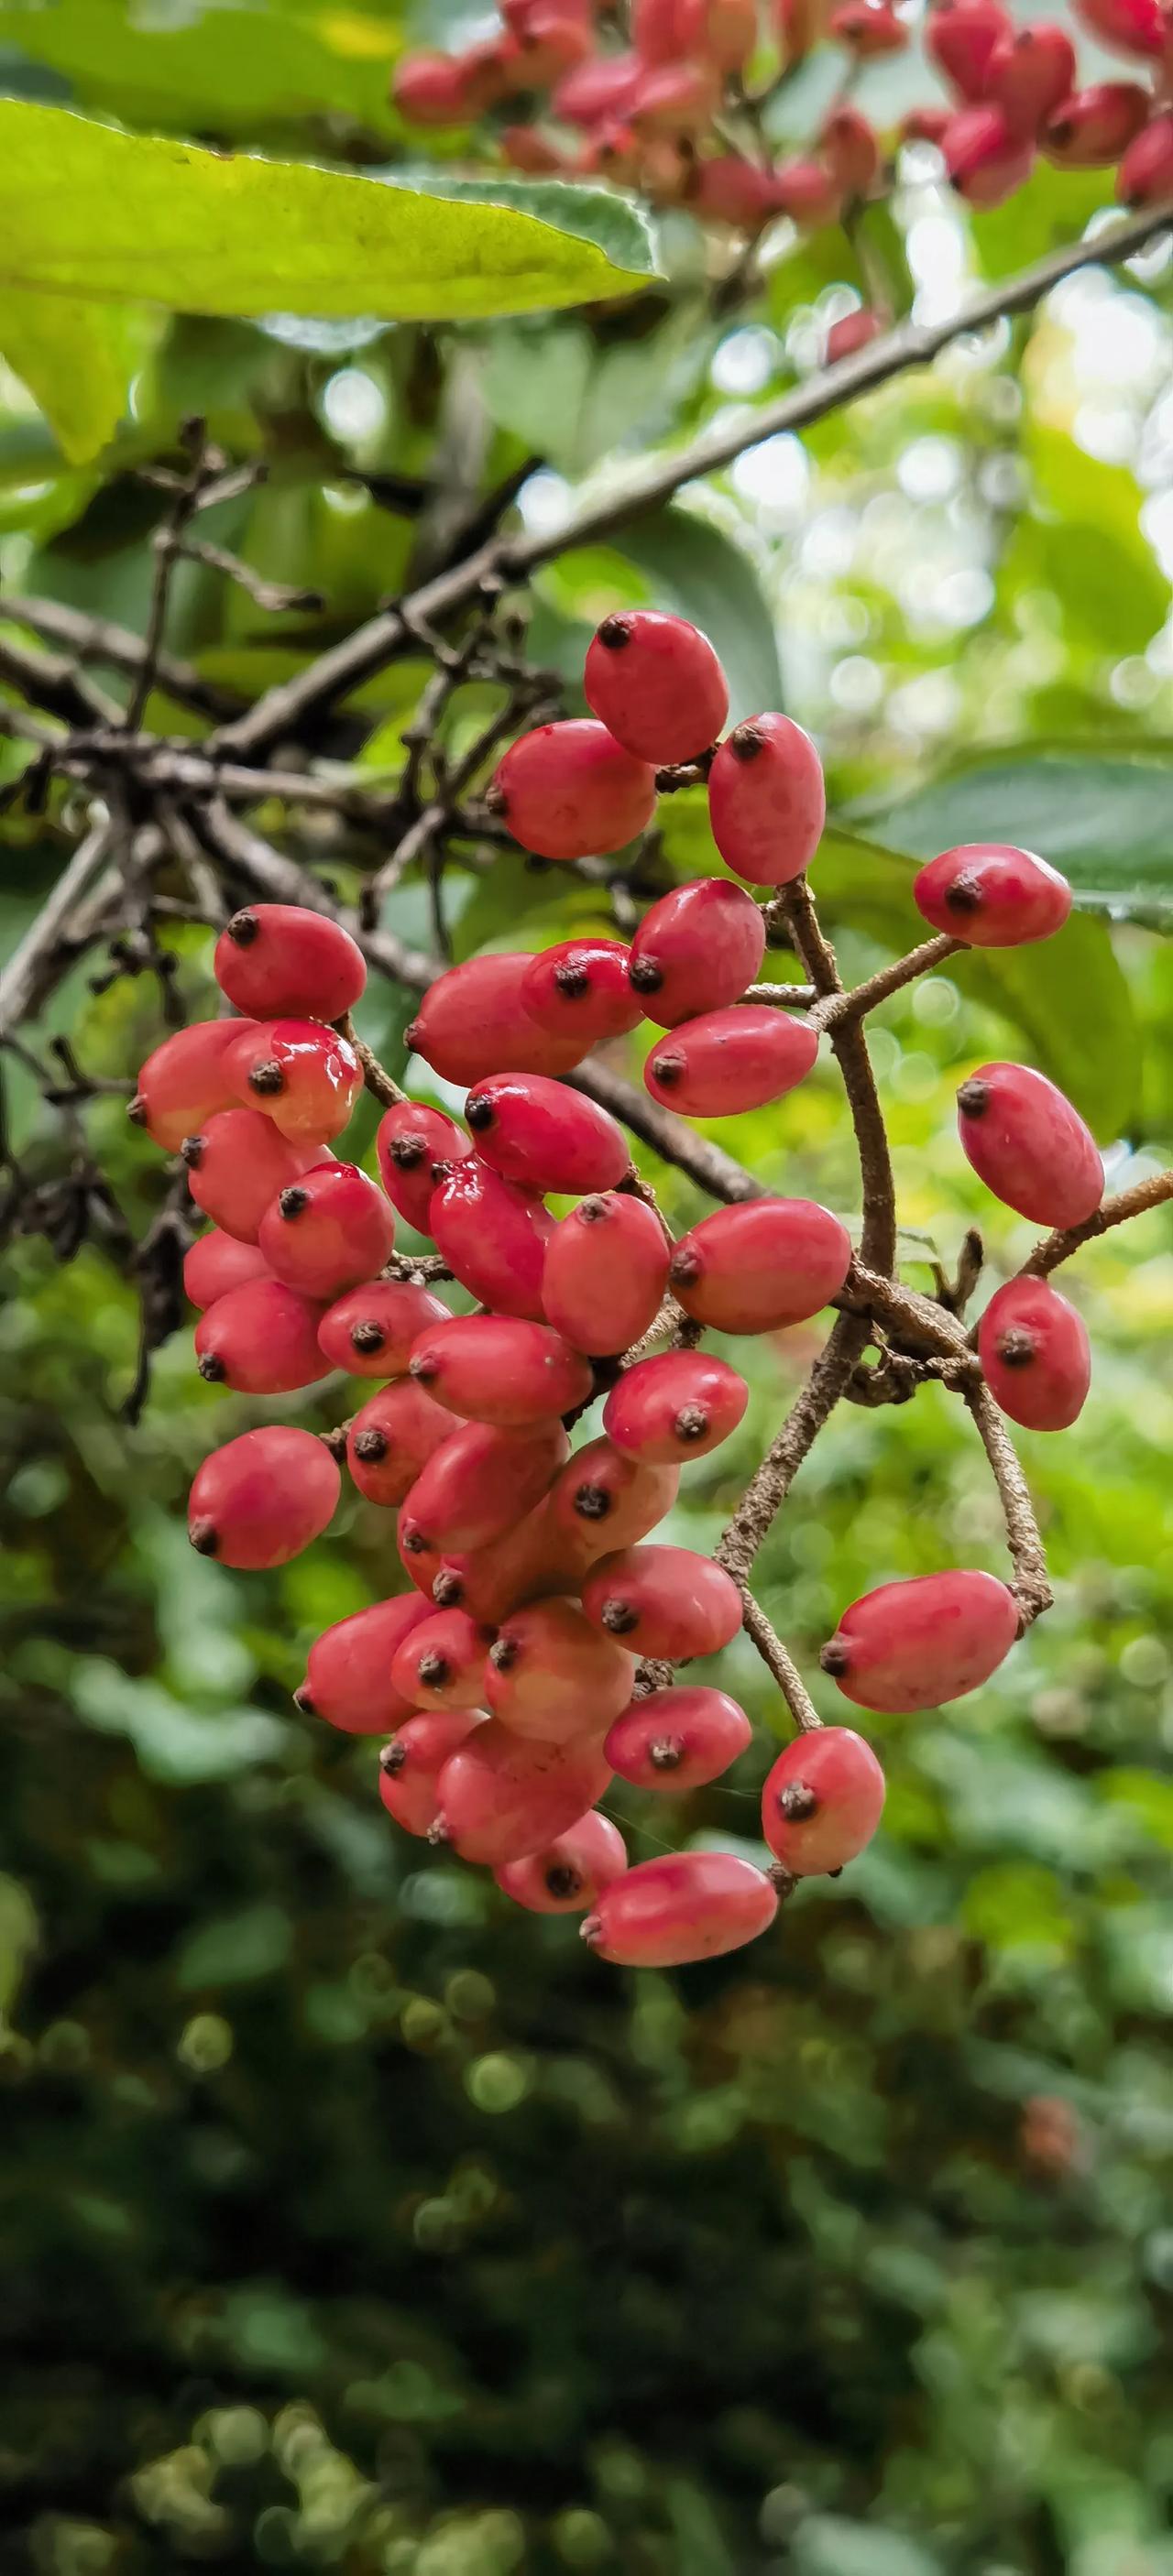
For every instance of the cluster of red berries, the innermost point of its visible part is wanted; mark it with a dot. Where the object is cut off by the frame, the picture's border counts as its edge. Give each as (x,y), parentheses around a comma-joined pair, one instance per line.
(507,1673)
(649,115)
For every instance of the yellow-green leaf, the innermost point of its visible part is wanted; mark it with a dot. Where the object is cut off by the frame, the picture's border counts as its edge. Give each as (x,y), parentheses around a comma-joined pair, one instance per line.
(72,358)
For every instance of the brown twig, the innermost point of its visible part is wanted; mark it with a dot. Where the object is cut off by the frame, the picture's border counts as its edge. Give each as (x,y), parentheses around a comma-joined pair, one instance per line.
(1137,1201)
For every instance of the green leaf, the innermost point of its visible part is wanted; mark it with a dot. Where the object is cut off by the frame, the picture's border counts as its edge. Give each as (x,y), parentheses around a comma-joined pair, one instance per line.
(218,69)
(86,211)
(73,358)
(1106,819)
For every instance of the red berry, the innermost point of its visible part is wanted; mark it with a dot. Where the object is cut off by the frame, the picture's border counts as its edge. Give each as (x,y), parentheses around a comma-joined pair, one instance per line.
(597,91)
(218,1263)
(527,150)
(277,961)
(726,1061)
(761,1266)
(499,1369)
(262,1498)
(675,99)
(657,30)
(912,1645)
(853,331)
(411,1138)
(349,1677)
(551,1675)
(677,1405)
(986,160)
(960,37)
(602,1500)
(1035,1353)
(373,1329)
(186,1081)
(441,1661)
(391,1437)
(431,89)
(663,1601)
(1029,1146)
(1090,129)
(503,1796)
(822,1801)
(657,685)
(869,27)
(304,1077)
(926,125)
(767,802)
(527,1564)
(328,1230)
(553,44)
(412,1765)
(1139,27)
(237,1165)
(728,190)
(605,1274)
(992,895)
(1146,172)
(473,1020)
(696,949)
(723,32)
(580,991)
(1030,71)
(261,1339)
(806,191)
(478,1483)
(684,1906)
(676,1740)
(570,791)
(849,147)
(571,1872)
(537,1133)
(492,1235)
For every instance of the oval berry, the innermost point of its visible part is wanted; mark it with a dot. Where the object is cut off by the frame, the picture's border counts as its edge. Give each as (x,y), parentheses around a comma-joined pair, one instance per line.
(1138,27)
(473,1021)
(503,1796)
(1091,128)
(571,1872)
(678,1739)
(869,27)
(1029,73)
(992,895)
(411,1138)
(1029,1146)
(545,1137)
(579,991)
(552,1675)
(732,1060)
(663,1601)
(349,1679)
(696,950)
(304,1077)
(237,1164)
(682,1907)
(391,1437)
(605,1273)
(501,1369)
(598,91)
(372,1330)
(441,1661)
(261,1339)
(822,1801)
(412,1766)
(602,1500)
(767,802)
(492,1235)
(570,791)
(263,1498)
(478,1483)
(762,1266)
(676,1405)
(913,1645)
(657,685)
(850,148)
(278,961)
(527,1564)
(186,1081)
(986,159)
(432,89)
(1036,1356)
(218,1263)
(328,1230)
(1145,175)
(960,39)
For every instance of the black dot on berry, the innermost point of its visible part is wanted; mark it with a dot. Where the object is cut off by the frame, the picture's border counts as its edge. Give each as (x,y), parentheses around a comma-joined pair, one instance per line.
(691,1423)
(973,1099)
(1016,1346)
(267,1079)
(433,1670)
(211,1368)
(406,1151)
(411,1036)
(440,1172)
(293,1200)
(448,1589)
(572,980)
(367,1337)
(204,1537)
(479,1112)
(797,1801)
(668,1069)
(593,1502)
(423,1369)
(615,632)
(392,1758)
(746,740)
(684,1269)
(136,1110)
(667,1753)
(243,928)
(562,1880)
(495,799)
(964,895)
(644,974)
(303,1700)
(503,1655)
(593,1211)
(413,1542)
(370,1446)
(618,1616)
(835,1657)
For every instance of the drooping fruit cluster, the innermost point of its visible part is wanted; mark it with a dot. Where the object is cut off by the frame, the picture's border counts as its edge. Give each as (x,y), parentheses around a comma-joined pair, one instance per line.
(506,1674)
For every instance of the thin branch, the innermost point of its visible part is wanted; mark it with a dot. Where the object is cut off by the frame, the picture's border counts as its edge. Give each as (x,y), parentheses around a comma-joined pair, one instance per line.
(47,680)
(377,1080)
(1032,1589)
(20,981)
(781,1664)
(768,1487)
(890,979)
(796,906)
(1137,1201)
(100,639)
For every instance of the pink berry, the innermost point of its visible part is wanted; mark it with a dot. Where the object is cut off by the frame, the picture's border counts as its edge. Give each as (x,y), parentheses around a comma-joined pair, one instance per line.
(441,1661)
(501,1369)
(551,1675)
(349,1679)
(657,30)
(926,125)
(597,91)
(303,1076)
(1029,1146)
(1138,27)
(696,949)
(218,1263)
(1090,129)
(580,991)
(503,1796)
(854,331)
(411,1138)
(237,1164)
(728,190)
(869,27)
(605,1273)
(678,1405)
(412,1766)
(277,961)
(263,1498)
(805,190)
(762,1266)
(1029,72)
(478,1483)
(684,1906)
(663,1601)
(261,1339)
(570,791)
(960,37)
(372,1330)
(657,685)
(678,1739)
(187,1081)
(1146,171)
(602,1500)
(527,1564)
(391,1437)
(849,147)
(1036,1356)
(328,1230)
(492,1235)
(767,802)
(525,149)
(986,159)
(722,32)
(571,1873)
(992,895)
(822,1801)
(473,1020)
(675,99)
(545,1137)
(731,1060)
(552,45)
(431,89)
(913,1645)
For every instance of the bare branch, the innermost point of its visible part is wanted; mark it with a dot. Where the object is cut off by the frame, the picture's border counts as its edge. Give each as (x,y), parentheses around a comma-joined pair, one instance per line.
(1137,1201)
